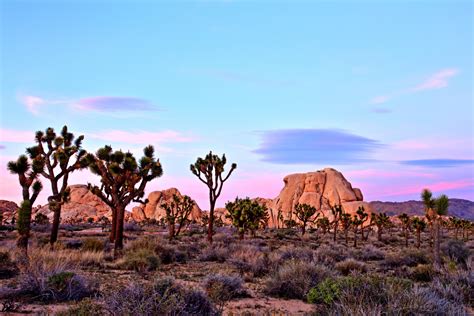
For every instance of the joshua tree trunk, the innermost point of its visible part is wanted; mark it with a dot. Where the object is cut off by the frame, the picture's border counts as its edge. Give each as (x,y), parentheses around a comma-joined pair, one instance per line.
(210,226)
(437,256)
(171,232)
(335,232)
(379,233)
(119,232)
(303,229)
(56,208)
(346,235)
(23,227)
(355,238)
(406,237)
(113,228)
(418,238)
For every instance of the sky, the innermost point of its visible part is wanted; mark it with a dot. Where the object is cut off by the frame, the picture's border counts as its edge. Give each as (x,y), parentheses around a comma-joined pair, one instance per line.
(379,90)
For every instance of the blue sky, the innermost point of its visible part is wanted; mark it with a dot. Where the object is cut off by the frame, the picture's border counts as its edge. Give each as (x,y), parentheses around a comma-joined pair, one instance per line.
(379,90)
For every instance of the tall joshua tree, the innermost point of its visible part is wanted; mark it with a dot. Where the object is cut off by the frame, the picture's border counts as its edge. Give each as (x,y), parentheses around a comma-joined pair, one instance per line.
(336,211)
(28,177)
(210,171)
(62,155)
(346,223)
(305,213)
(381,221)
(123,180)
(177,212)
(363,216)
(435,209)
(429,203)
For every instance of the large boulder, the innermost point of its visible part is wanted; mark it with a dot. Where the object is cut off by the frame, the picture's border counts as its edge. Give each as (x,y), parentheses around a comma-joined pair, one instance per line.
(83,204)
(8,210)
(321,189)
(153,209)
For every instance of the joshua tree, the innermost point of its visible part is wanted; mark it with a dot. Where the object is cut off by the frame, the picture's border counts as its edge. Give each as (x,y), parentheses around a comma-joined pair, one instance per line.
(362,219)
(429,202)
(435,208)
(210,171)
(405,221)
(177,211)
(336,211)
(27,176)
(61,155)
(456,224)
(123,181)
(346,223)
(357,221)
(381,221)
(304,212)
(419,225)
(246,215)
(324,224)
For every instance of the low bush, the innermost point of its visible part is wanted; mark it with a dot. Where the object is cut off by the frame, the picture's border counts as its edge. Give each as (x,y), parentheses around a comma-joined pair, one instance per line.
(8,268)
(295,278)
(325,292)
(85,307)
(163,297)
(251,259)
(408,258)
(132,227)
(215,253)
(369,253)
(422,273)
(295,253)
(329,255)
(140,260)
(222,288)
(457,251)
(93,244)
(350,266)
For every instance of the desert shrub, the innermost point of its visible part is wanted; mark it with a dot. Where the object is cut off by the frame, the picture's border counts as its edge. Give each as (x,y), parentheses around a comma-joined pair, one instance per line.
(93,244)
(251,259)
(224,235)
(168,254)
(330,254)
(295,278)
(54,281)
(222,288)
(8,268)
(422,273)
(85,307)
(295,253)
(456,250)
(73,244)
(163,297)
(140,260)
(215,252)
(325,292)
(409,258)
(369,253)
(350,265)
(132,227)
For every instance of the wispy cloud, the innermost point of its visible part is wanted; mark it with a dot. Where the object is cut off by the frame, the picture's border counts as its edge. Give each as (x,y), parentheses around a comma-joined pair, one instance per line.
(34,104)
(16,136)
(315,146)
(381,110)
(2,147)
(438,163)
(113,104)
(437,81)
(141,137)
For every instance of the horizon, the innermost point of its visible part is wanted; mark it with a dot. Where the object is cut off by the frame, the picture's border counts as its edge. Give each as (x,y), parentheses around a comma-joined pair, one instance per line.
(280,89)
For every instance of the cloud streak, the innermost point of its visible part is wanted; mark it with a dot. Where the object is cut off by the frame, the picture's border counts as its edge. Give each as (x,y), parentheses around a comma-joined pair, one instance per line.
(315,146)
(34,104)
(438,163)
(437,80)
(16,136)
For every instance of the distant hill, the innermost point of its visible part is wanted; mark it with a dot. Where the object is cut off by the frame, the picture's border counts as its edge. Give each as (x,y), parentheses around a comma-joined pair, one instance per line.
(457,207)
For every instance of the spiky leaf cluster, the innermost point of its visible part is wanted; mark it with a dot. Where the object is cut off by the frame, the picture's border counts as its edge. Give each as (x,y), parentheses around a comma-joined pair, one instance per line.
(305,212)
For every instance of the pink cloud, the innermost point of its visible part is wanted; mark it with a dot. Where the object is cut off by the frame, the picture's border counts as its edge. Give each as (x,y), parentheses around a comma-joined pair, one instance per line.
(380,99)
(16,136)
(411,144)
(113,104)
(440,186)
(437,81)
(32,103)
(381,174)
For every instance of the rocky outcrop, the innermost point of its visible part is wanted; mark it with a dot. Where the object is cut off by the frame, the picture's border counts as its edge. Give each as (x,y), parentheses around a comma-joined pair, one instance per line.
(8,210)
(153,209)
(82,205)
(321,189)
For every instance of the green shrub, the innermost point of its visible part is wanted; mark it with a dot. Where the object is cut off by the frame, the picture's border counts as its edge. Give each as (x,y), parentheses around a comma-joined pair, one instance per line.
(86,307)
(326,292)
(141,260)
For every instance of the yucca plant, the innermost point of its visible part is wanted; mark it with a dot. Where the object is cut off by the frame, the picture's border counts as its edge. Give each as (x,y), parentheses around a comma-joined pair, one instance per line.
(305,213)
(27,171)
(381,221)
(357,221)
(324,224)
(62,155)
(123,180)
(346,223)
(246,215)
(363,216)
(177,212)
(210,171)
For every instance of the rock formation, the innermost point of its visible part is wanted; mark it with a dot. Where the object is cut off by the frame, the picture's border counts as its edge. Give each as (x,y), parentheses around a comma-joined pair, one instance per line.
(81,206)
(8,210)
(153,209)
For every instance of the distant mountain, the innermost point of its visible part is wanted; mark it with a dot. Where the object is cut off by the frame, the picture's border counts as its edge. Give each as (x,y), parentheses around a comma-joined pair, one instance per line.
(457,207)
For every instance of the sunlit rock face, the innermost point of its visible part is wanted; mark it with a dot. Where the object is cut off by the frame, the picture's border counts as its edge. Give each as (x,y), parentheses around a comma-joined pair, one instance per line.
(153,209)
